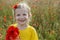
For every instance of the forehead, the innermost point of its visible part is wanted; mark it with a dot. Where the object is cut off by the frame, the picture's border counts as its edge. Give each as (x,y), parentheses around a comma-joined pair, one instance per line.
(21,10)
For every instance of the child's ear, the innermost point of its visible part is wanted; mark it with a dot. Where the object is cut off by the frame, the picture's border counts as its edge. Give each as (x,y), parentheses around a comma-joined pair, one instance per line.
(30,14)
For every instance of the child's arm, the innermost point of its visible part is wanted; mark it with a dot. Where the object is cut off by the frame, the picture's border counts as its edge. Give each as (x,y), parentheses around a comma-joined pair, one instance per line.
(34,35)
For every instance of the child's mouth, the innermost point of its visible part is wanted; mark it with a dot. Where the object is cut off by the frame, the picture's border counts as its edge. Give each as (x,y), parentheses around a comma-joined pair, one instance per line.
(21,20)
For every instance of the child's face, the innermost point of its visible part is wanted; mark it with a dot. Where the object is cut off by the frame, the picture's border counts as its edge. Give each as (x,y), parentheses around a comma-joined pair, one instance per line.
(21,16)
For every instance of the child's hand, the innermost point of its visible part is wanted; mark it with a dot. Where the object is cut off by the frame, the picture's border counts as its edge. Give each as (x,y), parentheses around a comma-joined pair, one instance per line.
(17,38)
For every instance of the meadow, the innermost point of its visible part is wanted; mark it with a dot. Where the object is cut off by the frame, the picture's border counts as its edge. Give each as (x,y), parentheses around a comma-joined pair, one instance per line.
(45,17)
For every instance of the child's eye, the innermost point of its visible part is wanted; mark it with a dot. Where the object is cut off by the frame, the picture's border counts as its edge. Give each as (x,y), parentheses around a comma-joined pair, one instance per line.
(18,14)
(24,14)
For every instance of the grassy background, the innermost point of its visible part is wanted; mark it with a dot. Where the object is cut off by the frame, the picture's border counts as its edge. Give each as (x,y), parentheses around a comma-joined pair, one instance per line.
(45,17)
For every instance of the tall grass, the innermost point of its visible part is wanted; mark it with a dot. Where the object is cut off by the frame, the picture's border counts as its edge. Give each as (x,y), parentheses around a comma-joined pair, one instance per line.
(45,17)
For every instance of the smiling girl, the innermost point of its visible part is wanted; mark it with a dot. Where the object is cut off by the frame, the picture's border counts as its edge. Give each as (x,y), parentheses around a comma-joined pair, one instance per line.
(22,15)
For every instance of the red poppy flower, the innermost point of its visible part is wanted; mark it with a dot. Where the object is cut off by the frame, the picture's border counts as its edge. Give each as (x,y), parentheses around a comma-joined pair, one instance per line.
(10,17)
(12,32)
(15,6)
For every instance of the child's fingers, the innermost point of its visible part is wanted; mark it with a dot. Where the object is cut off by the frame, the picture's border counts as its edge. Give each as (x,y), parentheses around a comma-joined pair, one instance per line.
(17,38)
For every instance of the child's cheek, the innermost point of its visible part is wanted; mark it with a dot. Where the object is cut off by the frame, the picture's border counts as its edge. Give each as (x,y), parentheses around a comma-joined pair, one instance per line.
(17,18)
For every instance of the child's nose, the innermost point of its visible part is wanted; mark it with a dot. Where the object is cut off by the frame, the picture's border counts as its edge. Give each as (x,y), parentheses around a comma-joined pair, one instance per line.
(21,17)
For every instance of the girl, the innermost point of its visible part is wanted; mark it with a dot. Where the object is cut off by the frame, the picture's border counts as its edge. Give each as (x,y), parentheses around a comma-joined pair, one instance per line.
(22,16)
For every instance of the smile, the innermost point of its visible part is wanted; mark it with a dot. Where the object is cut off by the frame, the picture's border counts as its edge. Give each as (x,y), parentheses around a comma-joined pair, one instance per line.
(21,20)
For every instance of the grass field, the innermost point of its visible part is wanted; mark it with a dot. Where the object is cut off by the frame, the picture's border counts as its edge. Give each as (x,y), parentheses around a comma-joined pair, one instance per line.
(45,17)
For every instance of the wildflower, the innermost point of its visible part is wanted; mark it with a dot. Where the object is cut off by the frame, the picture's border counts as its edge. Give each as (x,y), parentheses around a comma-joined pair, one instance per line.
(36,0)
(4,19)
(0,8)
(0,35)
(12,32)
(10,17)
(15,6)
(1,29)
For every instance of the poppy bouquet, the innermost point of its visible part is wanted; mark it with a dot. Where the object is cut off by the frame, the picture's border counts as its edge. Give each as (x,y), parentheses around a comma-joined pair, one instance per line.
(12,33)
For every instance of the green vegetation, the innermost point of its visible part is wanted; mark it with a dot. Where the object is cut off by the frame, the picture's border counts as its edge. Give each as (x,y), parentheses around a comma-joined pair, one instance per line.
(45,17)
